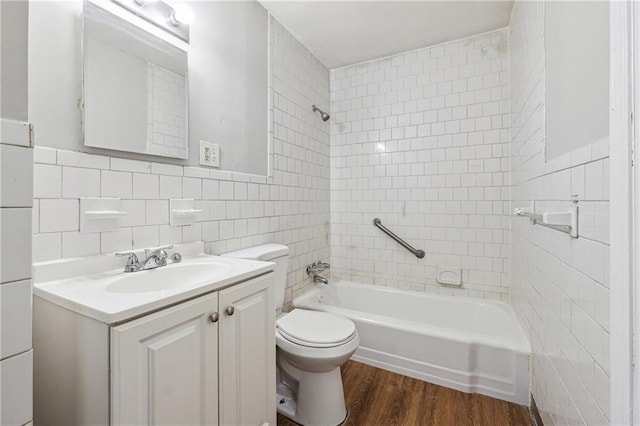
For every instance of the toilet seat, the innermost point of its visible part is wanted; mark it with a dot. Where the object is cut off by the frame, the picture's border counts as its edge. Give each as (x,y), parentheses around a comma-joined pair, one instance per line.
(315,329)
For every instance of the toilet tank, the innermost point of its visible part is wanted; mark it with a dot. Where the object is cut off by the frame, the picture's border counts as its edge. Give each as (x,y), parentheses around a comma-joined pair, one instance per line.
(277,253)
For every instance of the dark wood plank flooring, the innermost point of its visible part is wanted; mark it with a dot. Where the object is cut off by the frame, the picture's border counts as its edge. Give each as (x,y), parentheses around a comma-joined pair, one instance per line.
(380,398)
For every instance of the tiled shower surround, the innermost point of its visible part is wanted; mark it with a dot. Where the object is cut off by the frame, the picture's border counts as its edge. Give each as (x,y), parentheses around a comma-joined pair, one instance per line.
(240,210)
(421,140)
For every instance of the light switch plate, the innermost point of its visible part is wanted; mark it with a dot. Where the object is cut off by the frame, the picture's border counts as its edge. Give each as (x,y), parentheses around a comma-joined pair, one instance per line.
(215,153)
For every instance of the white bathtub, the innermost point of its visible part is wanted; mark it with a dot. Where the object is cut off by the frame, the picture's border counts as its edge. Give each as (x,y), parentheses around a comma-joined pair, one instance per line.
(465,344)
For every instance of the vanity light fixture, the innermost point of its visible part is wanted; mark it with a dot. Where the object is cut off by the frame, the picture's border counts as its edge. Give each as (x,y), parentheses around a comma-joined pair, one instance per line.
(175,19)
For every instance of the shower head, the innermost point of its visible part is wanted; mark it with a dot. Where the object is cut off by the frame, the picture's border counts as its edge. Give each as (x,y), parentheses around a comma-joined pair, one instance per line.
(323,114)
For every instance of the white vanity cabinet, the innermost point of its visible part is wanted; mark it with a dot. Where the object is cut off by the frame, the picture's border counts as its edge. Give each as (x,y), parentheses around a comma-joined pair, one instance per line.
(206,361)
(164,367)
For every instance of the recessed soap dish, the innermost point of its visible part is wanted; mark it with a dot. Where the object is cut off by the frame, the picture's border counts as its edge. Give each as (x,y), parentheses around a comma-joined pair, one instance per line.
(100,214)
(448,275)
(183,212)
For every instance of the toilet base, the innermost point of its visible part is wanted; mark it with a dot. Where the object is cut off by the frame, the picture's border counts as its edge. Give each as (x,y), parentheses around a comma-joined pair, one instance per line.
(312,399)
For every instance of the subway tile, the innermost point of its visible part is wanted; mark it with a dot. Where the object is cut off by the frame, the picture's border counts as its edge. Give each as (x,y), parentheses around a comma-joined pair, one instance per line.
(43,155)
(196,172)
(594,181)
(170,187)
(76,244)
(47,247)
(170,235)
(59,215)
(116,184)
(210,189)
(16,388)
(166,169)
(157,212)
(47,181)
(16,189)
(114,241)
(192,188)
(226,190)
(145,237)
(192,233)
(136,212)
(126,165)
(80,182)
(15,318)
(79,159)
(146,186)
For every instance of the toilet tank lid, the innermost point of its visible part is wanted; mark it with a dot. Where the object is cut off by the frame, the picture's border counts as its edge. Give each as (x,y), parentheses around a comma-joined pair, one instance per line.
(262,252)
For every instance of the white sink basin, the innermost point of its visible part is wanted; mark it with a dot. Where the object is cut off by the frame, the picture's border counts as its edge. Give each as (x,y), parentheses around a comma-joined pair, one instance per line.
(92,287)
(167,277)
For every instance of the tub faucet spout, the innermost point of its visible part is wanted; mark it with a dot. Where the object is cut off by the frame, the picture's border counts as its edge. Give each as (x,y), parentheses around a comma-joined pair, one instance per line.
(319,279)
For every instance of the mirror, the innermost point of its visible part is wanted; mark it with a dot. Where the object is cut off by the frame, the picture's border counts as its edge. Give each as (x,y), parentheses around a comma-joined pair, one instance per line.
(134,87)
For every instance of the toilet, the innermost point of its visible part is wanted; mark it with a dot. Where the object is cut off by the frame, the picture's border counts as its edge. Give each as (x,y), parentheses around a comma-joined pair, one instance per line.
(310,348)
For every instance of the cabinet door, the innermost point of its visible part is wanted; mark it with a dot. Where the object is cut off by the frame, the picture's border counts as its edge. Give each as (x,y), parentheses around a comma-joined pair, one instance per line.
(165,367)
(247,354)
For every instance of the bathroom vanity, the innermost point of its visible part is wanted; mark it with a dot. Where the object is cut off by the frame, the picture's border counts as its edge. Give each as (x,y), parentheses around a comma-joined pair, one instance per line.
(188,343)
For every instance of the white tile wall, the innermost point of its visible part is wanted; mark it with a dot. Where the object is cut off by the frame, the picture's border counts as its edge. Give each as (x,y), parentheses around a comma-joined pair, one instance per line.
(16,176)
(16,387)
(560,286)
(15,318)
(240,210)
(16,198)
(15,246)
(421,140)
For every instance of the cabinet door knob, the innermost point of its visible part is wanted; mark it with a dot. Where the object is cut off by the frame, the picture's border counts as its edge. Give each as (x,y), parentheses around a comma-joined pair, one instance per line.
(214,317)
(230,310)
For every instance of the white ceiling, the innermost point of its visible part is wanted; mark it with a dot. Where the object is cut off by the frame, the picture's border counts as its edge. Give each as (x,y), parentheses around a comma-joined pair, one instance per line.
(341,33)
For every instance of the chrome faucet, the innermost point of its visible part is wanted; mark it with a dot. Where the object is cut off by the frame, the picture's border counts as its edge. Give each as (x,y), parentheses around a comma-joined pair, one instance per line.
(315,268)
(154,258)
(320,280)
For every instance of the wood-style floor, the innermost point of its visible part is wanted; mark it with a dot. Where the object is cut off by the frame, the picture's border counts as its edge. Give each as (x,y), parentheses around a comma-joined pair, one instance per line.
(380,398)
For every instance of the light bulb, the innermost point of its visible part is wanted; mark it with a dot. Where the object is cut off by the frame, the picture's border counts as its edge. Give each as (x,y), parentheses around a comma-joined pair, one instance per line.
(182,14)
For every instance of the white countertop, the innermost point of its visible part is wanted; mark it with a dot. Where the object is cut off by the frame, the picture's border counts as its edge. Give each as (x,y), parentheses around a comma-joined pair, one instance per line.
(105,296)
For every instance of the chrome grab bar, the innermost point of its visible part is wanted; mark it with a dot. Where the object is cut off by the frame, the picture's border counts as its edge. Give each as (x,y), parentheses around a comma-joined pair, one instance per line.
(418,253)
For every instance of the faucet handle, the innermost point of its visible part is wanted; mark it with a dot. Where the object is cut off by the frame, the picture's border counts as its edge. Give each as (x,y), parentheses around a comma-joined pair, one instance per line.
(131,254)
(132,261)
(316,267)
(161,249)
(312,269)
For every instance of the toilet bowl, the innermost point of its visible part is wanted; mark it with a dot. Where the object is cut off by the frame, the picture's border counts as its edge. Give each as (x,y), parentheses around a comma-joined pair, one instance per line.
(310,348)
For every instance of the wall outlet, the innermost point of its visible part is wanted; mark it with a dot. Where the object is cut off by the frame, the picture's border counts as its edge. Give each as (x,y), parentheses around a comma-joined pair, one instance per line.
(209,154)
(205,153)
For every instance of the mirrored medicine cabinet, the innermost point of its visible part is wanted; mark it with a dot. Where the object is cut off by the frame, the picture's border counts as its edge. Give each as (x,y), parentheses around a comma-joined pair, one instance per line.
(144,94)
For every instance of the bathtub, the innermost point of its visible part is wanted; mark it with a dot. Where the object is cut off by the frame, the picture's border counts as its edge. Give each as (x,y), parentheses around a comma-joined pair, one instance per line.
(470,345)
